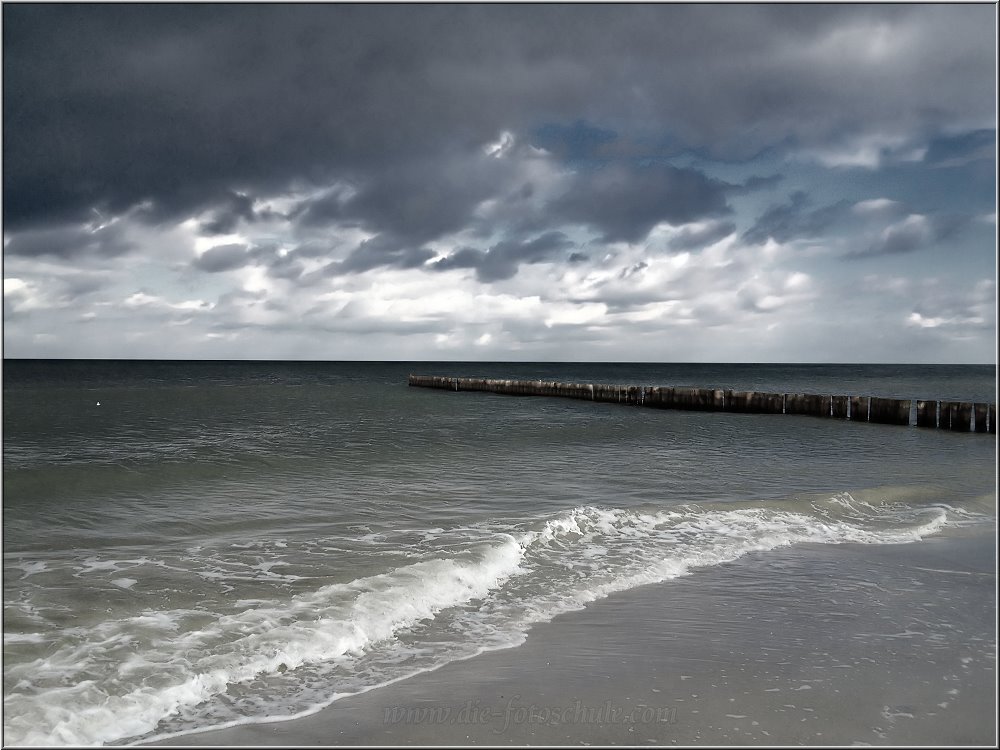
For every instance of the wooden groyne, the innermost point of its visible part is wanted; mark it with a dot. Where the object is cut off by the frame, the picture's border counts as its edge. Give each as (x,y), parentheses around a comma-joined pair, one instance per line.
(959,416)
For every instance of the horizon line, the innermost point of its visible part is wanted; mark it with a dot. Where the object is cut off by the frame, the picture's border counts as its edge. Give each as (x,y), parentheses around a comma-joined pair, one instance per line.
(484,361)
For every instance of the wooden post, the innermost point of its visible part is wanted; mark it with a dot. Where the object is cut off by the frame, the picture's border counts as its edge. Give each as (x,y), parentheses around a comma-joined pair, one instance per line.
(839,406)
(805,403)
(859,408)
(753,402)
(959,416)
(890,411)
(981,411)
(927,414)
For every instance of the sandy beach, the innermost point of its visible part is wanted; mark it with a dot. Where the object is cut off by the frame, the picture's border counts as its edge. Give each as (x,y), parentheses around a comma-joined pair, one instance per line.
(895,646)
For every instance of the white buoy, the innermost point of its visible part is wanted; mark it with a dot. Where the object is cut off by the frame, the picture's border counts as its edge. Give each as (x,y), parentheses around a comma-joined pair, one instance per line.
(98,403)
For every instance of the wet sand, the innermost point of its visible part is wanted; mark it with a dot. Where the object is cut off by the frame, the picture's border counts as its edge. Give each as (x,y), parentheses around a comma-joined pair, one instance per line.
(809,645)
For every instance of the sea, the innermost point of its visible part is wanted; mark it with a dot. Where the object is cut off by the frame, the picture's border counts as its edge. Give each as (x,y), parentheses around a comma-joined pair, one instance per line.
(194,545)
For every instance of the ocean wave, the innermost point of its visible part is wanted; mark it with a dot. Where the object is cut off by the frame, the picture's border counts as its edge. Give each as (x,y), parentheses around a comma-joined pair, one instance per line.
(165,672)
(189,669)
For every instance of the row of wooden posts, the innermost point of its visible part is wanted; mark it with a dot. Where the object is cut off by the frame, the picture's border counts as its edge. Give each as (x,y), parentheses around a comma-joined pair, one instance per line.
(961,416)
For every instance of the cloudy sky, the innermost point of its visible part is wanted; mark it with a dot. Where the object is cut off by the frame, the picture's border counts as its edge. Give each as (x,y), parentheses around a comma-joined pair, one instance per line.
(500,182)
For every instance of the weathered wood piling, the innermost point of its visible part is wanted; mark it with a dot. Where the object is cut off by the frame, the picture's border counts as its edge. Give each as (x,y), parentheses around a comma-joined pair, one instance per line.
(889,411)
(859,408)
(927,414)
(754,402)
(808,403)
(958,416)
(839,406)
(981,412)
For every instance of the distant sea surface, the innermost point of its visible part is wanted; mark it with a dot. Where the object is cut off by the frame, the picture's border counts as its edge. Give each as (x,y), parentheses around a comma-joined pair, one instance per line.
(223,543)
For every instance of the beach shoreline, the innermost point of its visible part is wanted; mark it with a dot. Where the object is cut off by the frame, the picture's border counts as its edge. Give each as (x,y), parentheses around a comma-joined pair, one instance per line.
(810,644)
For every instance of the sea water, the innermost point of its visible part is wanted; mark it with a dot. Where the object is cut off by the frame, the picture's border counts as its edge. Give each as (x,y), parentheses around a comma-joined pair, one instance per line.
(223,543)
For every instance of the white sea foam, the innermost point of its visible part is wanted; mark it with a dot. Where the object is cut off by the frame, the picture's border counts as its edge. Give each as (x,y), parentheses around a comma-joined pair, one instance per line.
(326,624)
(11,638)
(122,678)
(31,568)
(643,548)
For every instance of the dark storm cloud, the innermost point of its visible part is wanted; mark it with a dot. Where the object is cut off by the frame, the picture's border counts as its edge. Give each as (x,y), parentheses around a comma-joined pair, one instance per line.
(70,242)
(290,271)
(903,238)
(81,285)
(953,151)
(634,269)
(756,182)
(312,249)
(913,233)
(279,262)
(418,201)
(224,219)
(577,142)
(384,250)
(625,202)
(795,219)
(503,260)
(323,209)
(690,239)
(179,106)
(287,266)
(223,258)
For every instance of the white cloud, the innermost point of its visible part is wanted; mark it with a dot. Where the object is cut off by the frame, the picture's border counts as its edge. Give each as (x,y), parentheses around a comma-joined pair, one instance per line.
(21,296)
(917,319)
(570,314)
(863,43)
(14,286)
(141,299)
(868,151)
(939,306)
(797,281)
(501,147)
(203,244)
(876,206)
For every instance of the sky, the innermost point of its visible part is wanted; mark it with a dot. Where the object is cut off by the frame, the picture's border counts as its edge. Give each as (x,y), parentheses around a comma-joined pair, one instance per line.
(656,183)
